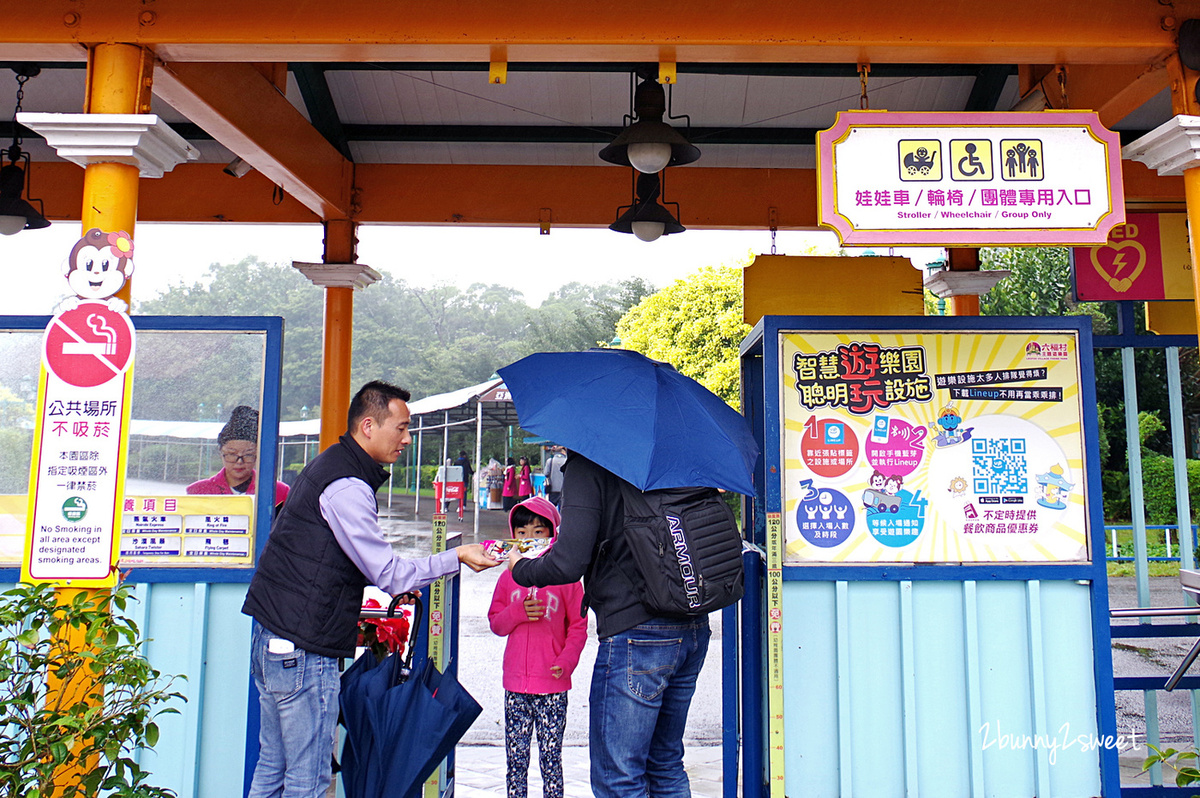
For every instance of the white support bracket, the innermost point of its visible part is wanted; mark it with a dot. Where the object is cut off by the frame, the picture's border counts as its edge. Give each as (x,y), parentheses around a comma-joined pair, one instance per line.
(947,283)
(338,275)
(1170,148)
(141,140)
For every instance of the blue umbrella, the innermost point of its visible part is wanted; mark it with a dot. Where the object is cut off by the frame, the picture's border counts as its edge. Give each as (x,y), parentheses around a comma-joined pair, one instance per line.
(639,418)
(420,721)
(400,723)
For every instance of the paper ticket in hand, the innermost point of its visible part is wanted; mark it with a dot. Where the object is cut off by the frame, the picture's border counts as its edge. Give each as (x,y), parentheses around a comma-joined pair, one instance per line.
(528,547)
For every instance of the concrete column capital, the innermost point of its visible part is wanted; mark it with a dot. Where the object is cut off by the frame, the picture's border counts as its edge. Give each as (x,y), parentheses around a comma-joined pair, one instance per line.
(1170,148)
(948,283)
(338,275)
(141,140)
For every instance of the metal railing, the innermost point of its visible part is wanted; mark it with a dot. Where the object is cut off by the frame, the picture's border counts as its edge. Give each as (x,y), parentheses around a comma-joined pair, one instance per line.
(1111,541)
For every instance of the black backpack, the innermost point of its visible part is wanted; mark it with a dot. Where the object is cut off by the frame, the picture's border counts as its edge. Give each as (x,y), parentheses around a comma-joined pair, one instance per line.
(686,549)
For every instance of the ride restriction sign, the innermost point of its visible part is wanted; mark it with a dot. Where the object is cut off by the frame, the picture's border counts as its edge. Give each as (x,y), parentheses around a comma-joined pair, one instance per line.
(88,345)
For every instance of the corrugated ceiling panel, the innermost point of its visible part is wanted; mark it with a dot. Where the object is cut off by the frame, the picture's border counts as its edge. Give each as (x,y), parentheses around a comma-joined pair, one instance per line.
(55,91)
(450,98)
(1150,115)
(534,154)
(295,98)
(1010,94)
(601,99)
(522,154)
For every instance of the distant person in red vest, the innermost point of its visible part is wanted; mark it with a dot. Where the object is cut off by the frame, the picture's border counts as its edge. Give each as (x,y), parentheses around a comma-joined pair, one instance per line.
(238,444)
(508,494)
(524,480)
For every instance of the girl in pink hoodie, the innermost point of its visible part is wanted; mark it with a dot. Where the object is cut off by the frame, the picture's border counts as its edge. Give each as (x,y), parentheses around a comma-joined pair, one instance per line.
(546,633)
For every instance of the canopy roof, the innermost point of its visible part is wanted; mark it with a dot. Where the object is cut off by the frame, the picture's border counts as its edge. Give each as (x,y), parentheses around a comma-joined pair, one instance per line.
(458,407)
(461,406)
(495,113)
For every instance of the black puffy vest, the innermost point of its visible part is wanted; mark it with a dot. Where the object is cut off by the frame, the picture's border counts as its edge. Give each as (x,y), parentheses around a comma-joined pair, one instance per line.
(306,589)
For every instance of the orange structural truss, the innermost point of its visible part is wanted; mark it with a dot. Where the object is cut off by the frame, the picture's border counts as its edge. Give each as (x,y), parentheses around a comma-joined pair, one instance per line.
(1015,31)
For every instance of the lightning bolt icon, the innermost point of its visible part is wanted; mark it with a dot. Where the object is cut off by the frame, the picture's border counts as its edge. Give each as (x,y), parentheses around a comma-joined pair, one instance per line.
(1119,263)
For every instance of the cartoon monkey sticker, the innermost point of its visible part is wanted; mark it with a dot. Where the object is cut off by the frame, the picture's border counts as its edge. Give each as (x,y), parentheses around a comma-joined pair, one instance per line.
(98,267)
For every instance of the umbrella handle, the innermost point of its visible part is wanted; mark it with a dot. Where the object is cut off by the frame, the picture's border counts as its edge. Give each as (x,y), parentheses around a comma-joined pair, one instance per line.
(415,629)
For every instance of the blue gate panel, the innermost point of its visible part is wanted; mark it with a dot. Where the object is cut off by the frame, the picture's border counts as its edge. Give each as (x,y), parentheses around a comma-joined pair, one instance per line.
(943,741)
(875,689)
(1004,685)
(939,688)
(1071,688)
(197,630)
(810,696)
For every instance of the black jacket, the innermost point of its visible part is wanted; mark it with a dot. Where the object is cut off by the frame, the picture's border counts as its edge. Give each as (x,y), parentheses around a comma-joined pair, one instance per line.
(306,589)
(591,545)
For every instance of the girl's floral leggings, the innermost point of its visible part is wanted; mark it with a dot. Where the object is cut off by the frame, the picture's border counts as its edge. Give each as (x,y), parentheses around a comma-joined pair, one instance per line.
(522,713)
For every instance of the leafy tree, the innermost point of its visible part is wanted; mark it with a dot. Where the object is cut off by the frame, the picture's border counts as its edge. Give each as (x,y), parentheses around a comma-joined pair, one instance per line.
(696,325)
(427,339)
(579,316)
(1041,285)
(247,288)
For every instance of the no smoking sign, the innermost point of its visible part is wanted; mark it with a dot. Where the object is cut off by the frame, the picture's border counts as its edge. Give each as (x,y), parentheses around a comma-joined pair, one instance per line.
(89,345)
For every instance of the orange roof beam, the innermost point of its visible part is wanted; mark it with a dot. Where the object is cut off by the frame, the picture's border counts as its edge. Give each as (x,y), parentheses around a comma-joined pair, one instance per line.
(1112,90)
(884,31)
(244,110)
(513,196)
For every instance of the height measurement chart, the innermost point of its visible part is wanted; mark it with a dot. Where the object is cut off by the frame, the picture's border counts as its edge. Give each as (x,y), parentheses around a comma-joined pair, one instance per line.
(932,447)
(437,628)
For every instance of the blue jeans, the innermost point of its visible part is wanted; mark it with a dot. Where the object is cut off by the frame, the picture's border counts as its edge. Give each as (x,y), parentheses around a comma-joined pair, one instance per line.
(298,707)
(642,687)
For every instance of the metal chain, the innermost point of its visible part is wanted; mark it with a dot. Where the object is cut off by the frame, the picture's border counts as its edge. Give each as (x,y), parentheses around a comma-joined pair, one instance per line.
(864,70)
(21,80)
(1062,86)
(773,231)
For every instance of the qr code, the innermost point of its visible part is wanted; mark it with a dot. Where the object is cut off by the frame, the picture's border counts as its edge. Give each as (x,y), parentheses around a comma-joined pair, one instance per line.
(999,466)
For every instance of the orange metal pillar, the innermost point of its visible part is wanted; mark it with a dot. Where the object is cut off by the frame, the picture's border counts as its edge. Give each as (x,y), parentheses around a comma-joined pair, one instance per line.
(1183,101)
(964,260)
(118,82)
(340,247)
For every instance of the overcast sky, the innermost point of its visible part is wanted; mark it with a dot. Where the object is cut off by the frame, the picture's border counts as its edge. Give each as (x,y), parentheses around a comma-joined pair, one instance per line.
(520,258)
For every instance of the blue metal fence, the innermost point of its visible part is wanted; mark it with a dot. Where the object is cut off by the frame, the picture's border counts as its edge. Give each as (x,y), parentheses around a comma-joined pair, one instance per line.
(1111,541)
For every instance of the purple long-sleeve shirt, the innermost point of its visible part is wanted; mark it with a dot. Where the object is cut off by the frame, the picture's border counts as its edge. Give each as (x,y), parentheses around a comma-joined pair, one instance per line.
(348,506)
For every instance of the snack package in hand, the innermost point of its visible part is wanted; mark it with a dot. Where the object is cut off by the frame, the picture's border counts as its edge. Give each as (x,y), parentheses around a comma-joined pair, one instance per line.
(528,547)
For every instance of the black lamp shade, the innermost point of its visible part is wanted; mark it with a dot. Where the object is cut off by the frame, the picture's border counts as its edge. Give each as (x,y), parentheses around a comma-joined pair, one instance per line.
(645,208)
(12,182)
(649,104)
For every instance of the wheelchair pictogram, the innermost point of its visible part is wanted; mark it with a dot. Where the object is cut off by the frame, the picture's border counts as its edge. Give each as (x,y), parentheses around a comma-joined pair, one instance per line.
(971,159)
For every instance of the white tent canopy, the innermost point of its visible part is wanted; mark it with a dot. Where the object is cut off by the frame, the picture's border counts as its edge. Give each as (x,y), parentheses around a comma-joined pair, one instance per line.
(486,405)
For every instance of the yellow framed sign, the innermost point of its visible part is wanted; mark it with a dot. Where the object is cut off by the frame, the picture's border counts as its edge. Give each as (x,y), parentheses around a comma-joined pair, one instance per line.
(932,447)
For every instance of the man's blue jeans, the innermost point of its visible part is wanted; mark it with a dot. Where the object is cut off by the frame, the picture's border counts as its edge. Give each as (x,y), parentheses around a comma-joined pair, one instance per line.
(642,687)
(298,707)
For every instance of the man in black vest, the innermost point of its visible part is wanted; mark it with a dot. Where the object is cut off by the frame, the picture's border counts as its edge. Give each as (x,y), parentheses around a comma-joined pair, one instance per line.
(325,547)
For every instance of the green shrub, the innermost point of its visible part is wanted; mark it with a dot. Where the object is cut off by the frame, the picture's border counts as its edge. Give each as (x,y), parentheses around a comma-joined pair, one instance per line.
(1158,485)
(102,709)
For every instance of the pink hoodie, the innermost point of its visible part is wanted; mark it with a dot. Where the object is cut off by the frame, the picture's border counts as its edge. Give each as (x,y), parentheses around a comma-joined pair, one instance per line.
(556,638)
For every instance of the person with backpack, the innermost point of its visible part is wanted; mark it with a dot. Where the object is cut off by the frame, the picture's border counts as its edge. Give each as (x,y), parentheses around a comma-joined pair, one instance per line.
(642,580)
(546,631)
